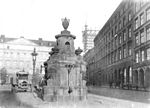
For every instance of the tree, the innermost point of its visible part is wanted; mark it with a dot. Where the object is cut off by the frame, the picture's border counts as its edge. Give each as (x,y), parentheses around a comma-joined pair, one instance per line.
(3,74)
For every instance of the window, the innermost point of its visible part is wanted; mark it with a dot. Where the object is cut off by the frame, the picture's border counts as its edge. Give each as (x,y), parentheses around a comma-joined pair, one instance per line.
(112,33)
(129,31)
(124,21)
(136,39)
(109,46)
(142,55)
(137,57)
(109,60)
(119,54)
(109,36)
(112,58)
(141,3)
(125,76)
(115,29)
(126,7)
(148,34)
(8,47)
(119,25)
(136,6)
(141,19)
(148,54)
(124,52)
(129,50)
(121,12)
(124,35)
(148,14)
(115,41)
(136,23)
(142,36)
(49,44)
(130,75)
(115,55)
(129,16)
(120,39)
(112,44)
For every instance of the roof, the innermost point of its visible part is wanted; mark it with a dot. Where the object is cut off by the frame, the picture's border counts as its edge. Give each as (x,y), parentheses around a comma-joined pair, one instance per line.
(22,72)
(39,42)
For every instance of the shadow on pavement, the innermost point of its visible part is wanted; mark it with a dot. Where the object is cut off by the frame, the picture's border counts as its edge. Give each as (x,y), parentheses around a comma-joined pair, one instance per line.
(136,96)
(10,100)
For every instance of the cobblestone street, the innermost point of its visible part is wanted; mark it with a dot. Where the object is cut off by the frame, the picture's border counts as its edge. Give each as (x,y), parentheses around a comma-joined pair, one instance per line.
(11,100)
(98,97)
(110,100)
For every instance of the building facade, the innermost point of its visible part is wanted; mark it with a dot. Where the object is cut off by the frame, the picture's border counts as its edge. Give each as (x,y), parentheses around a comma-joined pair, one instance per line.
(88,38)
(15,54)
(122,47)
(89,59)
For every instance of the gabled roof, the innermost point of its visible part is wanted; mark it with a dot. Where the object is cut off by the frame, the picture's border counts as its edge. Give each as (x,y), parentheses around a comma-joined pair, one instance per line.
(25,41)
(21,41)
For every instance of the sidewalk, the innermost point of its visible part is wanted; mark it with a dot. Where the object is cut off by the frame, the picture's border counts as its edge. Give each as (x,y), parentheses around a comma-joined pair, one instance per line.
(5,87)
(136,96)
(93,101)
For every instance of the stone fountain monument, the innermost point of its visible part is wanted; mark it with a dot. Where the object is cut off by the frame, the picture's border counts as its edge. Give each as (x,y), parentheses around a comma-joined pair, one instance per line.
(65,70)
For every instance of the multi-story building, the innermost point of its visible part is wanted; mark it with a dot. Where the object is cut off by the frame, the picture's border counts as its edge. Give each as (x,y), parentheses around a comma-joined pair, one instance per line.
(88,38)
(89,59)
(122,46)
(142,44)
(15,53)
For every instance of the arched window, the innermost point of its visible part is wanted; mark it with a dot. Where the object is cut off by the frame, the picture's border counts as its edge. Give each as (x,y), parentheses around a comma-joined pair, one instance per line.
(125,75)
(130,75)
(67,45)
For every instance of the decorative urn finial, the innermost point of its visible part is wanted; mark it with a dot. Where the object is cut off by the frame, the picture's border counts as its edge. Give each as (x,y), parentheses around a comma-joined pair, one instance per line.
(65,23)
(78,51)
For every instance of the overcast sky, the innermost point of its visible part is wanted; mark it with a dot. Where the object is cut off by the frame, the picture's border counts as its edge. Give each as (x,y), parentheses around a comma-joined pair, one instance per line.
(35,19)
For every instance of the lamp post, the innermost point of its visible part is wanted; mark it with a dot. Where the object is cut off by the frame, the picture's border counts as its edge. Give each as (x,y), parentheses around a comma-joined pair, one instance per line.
(34,54)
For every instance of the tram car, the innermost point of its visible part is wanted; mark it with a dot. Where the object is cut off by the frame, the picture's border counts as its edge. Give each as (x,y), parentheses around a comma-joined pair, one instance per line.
(21,82)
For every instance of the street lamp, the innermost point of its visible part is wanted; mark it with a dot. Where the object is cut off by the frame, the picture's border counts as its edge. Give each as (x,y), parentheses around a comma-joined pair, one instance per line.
(34,54)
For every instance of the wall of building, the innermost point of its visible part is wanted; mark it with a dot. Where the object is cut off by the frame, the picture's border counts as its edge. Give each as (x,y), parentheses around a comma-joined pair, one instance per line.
(15,54)
(118,60)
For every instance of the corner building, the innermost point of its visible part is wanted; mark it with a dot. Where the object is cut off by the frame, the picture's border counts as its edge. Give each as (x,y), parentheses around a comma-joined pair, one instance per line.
(122,47)
(15,54)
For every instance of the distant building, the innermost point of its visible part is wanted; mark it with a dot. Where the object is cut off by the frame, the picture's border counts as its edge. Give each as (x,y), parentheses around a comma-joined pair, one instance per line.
(88,38)
(89,59)
(122,47)
(15,53)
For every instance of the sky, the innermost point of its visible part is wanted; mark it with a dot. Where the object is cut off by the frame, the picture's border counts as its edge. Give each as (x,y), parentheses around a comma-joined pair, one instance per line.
(35,19)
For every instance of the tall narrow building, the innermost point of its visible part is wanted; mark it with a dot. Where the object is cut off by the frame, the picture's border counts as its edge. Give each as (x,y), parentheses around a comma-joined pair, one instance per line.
(88,36)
